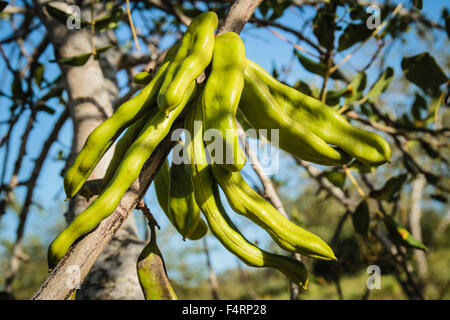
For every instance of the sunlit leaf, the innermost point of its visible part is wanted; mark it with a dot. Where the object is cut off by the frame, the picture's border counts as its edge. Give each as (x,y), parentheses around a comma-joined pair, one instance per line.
(142,78)
(401,236)
(75,61)
(357,86)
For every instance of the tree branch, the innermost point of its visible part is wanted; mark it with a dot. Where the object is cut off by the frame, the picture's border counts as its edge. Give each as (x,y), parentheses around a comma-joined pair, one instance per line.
(85,252)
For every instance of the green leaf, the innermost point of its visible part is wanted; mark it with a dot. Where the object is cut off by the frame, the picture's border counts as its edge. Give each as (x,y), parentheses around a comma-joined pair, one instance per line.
(75,61)
(418,4)
(419,104)
(278,8)
(401,236)
(447,26)
(358,12)
(390,189)
(316,67)
(431,178)
(16,86)
(337,178)
(396,26)
(439,197)
(52,93)
(57,14)
(303,87)
(3,5)
(361,219)
(275,73)
(62,16)
(263,9)
(368,112)
(110,21)
(46,109)
(323,23)
(333,96)
(60,155)
(38,75)
(381,84)
(100,50)
(423,71)
(357,86)
(353,34)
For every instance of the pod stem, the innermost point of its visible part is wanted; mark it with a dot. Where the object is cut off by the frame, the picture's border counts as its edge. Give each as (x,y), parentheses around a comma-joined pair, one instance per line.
(152,223)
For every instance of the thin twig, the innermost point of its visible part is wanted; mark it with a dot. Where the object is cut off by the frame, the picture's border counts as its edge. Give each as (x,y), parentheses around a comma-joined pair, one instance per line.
(130,20)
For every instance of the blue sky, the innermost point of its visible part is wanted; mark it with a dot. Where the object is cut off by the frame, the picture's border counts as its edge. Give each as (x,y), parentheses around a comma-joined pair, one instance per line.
(261,46)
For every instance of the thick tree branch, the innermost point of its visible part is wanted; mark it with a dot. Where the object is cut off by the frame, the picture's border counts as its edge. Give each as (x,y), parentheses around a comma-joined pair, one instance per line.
(85,252)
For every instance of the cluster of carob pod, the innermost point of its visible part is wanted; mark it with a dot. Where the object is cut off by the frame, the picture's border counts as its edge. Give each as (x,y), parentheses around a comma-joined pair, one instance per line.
(308,129)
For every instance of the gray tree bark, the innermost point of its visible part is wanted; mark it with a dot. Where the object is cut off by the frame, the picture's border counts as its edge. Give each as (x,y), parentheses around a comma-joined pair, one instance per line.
(415,216)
